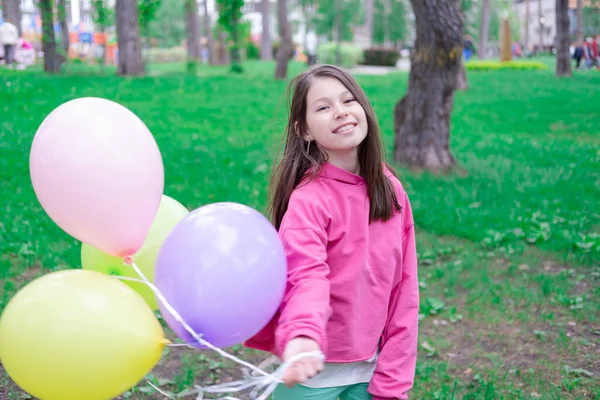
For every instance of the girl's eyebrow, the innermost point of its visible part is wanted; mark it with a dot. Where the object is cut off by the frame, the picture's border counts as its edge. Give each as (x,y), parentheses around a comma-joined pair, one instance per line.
(345,92)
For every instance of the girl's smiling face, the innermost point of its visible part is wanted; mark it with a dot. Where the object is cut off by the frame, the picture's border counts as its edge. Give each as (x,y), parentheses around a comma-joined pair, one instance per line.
(334,118)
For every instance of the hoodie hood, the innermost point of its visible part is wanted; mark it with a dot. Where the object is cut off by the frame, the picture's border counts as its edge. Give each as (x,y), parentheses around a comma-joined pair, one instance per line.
(330,171)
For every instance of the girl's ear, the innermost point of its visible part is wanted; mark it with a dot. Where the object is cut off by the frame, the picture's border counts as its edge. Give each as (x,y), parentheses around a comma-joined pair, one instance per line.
(306,136)
(297,129)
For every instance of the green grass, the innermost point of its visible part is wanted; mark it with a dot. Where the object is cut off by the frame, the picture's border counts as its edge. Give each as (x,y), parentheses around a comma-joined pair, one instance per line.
(509,251)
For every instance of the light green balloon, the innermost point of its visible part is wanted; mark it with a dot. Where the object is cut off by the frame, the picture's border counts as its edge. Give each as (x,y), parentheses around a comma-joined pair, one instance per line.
(170,213)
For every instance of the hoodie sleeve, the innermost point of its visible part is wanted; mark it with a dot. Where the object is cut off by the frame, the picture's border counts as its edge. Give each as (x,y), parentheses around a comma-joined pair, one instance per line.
(395,371)
(305,308)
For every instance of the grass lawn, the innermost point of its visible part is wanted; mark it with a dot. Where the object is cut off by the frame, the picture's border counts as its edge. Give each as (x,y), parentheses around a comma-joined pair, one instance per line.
(509,249)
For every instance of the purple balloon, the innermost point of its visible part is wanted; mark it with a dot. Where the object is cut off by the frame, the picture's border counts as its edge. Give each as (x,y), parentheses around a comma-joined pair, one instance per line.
(223,269)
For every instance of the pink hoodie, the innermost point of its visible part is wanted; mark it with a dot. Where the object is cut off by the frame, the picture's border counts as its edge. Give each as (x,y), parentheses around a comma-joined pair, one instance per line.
(351,285)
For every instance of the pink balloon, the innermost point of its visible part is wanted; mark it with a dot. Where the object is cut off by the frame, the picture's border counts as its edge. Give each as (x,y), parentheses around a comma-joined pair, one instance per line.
(98,173)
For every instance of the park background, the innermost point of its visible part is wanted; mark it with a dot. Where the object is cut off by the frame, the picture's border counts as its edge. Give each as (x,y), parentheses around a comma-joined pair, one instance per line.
(507,224)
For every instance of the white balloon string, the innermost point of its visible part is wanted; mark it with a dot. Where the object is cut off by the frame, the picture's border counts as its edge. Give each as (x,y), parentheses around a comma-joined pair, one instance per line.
(167,395)
(268,382)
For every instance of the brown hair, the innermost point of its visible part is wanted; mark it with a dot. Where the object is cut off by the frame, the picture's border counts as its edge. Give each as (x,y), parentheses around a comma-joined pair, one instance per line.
(297,160)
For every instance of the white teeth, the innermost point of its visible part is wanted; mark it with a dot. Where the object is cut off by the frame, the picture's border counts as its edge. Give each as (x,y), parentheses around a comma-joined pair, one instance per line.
(344,128)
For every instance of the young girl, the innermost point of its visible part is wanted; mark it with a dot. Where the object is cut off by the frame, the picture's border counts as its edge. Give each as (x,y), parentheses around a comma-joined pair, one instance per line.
(347,228)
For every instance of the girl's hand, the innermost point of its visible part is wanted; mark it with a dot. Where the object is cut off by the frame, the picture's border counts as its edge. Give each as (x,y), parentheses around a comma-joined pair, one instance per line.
(306,367)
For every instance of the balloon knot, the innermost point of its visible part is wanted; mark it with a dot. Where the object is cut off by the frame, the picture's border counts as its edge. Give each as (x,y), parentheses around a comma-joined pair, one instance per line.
(127,260)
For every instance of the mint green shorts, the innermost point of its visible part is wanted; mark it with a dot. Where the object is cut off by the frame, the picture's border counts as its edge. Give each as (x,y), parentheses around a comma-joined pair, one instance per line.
(299,392)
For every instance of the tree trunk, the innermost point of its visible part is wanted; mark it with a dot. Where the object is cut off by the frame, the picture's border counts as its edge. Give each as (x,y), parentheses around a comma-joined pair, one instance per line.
(422,116)
(64,28)
(484,29)
(19,15)
(266,45)
(209,35)
(223,53)
(369,21)
(338,33)
(52,61)
(11,11)
(128,38)
(541,26)
(387,7)
(104,45)
(579,19)
(526,25)
(193,34)
(563,55)
(286,48)
(236,61)
(505,40)
(462,83)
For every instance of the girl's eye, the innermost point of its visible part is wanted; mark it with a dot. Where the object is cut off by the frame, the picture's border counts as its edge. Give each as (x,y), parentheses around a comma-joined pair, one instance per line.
(321,108)
(350,100)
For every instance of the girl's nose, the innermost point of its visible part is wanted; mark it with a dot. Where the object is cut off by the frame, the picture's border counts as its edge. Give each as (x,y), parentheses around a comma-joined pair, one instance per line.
(340,112)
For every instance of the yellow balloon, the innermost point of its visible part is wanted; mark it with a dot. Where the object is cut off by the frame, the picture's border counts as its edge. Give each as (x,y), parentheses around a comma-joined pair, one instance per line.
(78,335)
(169,213)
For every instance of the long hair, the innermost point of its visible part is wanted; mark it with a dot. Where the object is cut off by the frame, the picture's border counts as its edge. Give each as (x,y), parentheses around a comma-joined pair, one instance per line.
(298,159)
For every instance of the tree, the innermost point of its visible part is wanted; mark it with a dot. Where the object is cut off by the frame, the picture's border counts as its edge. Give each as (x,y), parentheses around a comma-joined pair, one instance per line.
(168,26)
(391,22)
(103,17)
(147,10)
(266,45)
(193,35)
(64,28)
(329,11)
(484,29)
(52,61)
(505,41)
(128,37)
(230,16)
(471,18)
(591,17)
(11,11)
(310,40)
(369,12)
(541,20)
(498,9)
(286,47)
(224,55)
(338,32)
(579,22)
(422,116)
(462,82)
(102,14)
(209,34)
(563,59)
(526,24)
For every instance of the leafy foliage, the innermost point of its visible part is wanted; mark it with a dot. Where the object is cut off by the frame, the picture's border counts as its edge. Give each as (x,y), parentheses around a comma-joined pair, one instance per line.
(381,56)
(230,15)
(390,21)
(351,55)
(230,12)
(147,10)
(325,19)
(168,27)
(102,14)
